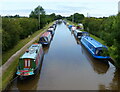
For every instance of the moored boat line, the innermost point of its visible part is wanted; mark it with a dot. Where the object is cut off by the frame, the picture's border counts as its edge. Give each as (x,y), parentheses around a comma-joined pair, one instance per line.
(46,38)
(97,50)
(30,61)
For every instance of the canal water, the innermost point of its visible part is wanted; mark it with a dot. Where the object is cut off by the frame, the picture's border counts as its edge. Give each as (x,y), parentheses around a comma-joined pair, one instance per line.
(67,65)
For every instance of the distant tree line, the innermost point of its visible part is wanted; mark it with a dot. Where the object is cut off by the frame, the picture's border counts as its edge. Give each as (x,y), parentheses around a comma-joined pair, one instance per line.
(15,28)
(76,17)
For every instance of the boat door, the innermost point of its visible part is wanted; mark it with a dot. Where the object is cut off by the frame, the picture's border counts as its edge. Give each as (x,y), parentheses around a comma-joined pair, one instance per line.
(27,63)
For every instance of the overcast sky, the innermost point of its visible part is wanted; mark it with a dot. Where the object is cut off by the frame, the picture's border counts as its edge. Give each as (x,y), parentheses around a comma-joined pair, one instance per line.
(96,8)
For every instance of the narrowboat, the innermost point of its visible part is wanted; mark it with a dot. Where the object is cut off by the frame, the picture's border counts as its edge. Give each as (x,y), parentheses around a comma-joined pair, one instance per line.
(59,21)
(70,26)
(29,62)
(78,34)
(51,30)
(97,50)
(77,27)
(80,25)
(52,27)
(73,28)
(45,39)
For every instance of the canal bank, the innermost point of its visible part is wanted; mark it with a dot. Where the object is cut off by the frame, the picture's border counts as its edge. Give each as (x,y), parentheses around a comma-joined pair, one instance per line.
(68,66)
(9,68)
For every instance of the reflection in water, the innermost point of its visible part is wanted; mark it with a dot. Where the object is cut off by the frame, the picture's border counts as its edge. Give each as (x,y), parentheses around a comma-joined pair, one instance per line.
(69,66)
(46,49)
(76,39)
(114,84)
(99,66)
(29,84)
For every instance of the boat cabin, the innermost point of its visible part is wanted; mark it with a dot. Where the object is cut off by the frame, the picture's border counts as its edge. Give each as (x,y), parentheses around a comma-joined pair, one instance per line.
(95,48)
(51,30)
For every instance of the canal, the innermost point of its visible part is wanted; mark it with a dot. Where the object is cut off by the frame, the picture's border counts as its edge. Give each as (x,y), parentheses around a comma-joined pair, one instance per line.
(67,65)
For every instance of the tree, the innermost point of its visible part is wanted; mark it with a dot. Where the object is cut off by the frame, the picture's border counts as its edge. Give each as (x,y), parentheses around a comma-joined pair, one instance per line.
(76,17)
(39,13)
(58,17)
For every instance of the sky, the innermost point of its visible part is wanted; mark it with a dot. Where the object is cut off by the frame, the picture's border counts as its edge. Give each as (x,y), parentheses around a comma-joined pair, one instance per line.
(94,8)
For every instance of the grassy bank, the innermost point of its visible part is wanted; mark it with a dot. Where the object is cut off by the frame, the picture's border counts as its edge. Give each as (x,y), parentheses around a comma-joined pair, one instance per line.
(20,44)
(98,39)
(7,76)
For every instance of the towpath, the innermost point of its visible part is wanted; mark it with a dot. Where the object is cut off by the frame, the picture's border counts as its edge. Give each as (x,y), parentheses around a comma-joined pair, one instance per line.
(14,56)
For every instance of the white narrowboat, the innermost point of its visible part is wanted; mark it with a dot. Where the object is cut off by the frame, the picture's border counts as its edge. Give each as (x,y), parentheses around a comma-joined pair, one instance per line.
(78,34)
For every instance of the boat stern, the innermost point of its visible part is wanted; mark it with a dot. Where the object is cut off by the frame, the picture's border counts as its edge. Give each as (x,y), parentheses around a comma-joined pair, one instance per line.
(25,72)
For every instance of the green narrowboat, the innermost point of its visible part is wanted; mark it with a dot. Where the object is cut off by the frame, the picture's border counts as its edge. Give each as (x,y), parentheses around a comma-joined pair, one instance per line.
(30,61)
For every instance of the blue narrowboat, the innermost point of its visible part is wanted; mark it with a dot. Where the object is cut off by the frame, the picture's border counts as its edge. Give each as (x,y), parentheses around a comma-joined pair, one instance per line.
(69,26)
(30,61)
(45,39)
(97,50)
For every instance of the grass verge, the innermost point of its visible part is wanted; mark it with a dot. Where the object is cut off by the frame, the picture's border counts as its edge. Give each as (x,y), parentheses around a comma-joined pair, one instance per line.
(8,75)
(97,39)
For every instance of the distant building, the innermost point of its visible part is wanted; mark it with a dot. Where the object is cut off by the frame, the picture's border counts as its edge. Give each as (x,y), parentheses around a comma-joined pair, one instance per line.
(119,7)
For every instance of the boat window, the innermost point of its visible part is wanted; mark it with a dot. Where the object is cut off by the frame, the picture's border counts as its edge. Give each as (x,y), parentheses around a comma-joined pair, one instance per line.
(79,34)
(97,52)
(100,52)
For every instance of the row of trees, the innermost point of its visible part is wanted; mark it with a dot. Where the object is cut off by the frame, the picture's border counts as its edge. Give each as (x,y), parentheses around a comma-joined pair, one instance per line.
(16,27)
(76,17)
(107,29)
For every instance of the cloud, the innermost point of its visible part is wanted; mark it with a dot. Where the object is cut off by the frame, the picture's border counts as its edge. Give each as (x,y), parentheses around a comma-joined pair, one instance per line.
(62,7)
(21,12)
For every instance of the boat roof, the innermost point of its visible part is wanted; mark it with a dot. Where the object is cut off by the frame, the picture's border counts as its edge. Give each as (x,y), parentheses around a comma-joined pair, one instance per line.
(46,34)
(51,29)
(95,43)
(31,51)
(70,25)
